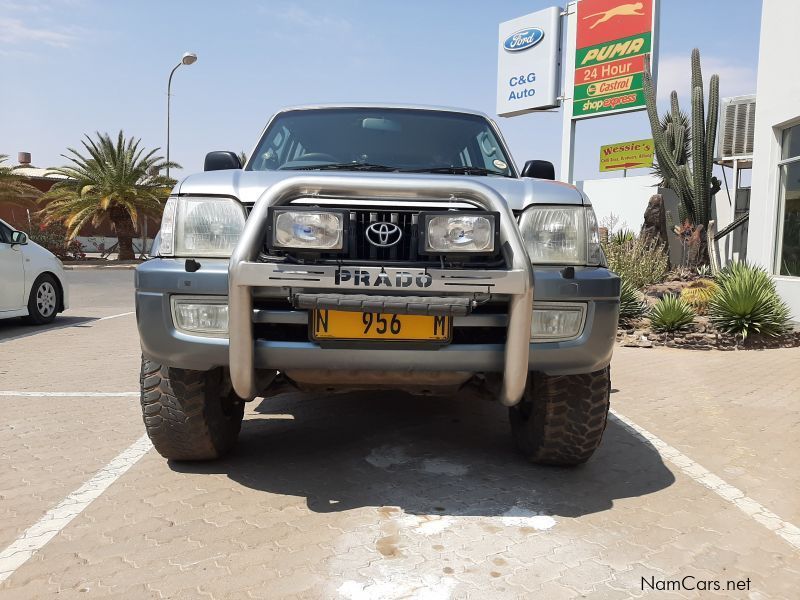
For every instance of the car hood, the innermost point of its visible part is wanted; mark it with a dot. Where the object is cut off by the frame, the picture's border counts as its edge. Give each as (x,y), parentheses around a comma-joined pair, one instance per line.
(34,250)
(248,186)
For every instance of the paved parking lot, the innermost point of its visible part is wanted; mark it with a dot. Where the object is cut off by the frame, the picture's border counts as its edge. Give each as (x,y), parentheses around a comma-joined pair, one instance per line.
(368,496)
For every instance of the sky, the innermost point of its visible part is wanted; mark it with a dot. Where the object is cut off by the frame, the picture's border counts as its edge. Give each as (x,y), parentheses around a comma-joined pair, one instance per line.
(72,67)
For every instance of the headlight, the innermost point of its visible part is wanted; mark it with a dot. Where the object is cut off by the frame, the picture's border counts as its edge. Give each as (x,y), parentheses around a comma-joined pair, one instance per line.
(307,229)
(203,315)
(562,235)
(453,232)
(201,226)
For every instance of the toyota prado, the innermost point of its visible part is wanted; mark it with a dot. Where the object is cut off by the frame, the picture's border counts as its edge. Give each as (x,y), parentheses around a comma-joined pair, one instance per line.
(377,247)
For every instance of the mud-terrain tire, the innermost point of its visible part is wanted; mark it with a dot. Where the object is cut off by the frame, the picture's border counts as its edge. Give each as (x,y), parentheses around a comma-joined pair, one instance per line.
(189,415)
(561,419)
(44,301)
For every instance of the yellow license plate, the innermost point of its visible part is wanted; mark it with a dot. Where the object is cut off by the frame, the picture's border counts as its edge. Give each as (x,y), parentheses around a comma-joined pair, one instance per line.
(344,325)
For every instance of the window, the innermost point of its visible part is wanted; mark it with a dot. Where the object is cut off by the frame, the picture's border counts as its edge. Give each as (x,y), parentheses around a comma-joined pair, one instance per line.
(393,139)
(788,254)
(5,234)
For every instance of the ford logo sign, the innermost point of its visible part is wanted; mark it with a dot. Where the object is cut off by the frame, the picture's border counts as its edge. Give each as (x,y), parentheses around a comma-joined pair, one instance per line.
(523,39)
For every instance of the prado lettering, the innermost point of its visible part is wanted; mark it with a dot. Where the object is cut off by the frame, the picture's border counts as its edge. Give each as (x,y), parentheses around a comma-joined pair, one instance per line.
(386,278)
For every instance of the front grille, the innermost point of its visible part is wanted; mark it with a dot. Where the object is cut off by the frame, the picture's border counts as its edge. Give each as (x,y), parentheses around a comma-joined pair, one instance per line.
(361,251)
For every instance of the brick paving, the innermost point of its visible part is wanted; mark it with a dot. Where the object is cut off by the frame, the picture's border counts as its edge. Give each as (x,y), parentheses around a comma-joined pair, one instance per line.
(367,496)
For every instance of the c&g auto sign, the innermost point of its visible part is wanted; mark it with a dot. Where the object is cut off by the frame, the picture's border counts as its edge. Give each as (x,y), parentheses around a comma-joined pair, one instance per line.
(613,37)
(528,63)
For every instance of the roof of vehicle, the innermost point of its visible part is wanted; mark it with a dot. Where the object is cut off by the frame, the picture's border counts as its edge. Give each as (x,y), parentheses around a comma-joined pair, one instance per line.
(385,105)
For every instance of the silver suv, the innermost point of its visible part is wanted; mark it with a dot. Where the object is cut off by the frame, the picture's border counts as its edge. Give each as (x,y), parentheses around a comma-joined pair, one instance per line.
(377,247)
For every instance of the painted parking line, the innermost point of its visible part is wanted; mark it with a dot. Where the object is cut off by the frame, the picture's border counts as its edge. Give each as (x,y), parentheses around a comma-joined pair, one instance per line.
(729,493)
(36,536)
(86,321)
(39,534)
(26,394)
(125,314)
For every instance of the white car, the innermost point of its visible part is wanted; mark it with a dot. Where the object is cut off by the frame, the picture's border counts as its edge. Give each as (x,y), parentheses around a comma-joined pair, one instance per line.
(33,281)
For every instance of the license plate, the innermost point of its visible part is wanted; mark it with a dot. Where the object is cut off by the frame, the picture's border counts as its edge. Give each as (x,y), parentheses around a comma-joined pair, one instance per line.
(344,325)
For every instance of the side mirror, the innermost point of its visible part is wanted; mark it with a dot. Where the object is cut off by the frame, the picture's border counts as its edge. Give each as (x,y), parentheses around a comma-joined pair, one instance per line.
(540,169)
(19,237)
(220,160)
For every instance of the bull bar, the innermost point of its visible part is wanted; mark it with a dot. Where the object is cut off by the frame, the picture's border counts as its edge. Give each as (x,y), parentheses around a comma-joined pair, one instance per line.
(245,272)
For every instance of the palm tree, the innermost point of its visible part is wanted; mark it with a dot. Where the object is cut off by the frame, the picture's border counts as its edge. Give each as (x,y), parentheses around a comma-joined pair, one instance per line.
(13,188)
(117,182)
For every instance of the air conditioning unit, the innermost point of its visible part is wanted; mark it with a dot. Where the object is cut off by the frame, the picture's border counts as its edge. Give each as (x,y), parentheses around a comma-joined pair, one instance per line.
(736,129)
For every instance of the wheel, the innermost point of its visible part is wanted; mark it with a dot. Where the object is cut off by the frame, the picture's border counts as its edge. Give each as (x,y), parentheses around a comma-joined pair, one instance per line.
(189,415)
(561,419)
(44,300)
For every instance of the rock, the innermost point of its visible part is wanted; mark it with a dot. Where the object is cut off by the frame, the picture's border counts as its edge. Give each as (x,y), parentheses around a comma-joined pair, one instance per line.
(655,221)
(645,343)
(630,342)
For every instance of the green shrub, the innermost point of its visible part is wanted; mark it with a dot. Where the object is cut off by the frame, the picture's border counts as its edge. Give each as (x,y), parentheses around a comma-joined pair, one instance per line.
(631,306)
(670,314)
(623,236)
(53,237)
(641,261)
(747,302)
(698,295)
(704,271)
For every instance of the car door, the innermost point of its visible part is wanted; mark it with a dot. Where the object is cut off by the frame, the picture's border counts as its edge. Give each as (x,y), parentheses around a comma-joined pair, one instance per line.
(12,275)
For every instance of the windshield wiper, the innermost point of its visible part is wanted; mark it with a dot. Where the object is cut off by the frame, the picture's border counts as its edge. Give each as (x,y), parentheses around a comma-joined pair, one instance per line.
(464,170)
(352,166)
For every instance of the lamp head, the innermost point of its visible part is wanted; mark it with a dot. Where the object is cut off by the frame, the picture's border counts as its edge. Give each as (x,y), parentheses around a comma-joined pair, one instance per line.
(188,58)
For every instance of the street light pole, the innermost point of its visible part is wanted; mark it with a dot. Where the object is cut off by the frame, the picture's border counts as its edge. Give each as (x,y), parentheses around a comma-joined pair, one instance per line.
(188,58)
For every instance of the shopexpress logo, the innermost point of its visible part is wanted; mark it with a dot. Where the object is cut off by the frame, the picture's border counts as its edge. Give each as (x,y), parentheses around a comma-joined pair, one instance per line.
(609,103)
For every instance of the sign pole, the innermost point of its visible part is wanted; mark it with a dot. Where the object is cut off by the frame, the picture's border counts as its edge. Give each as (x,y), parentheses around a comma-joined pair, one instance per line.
(568,124)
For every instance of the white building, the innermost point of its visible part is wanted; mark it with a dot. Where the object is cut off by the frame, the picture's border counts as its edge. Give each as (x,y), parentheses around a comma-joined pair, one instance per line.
(774,232)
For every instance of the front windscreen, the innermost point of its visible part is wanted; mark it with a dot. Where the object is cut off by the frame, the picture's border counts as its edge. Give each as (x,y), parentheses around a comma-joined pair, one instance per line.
(398,140)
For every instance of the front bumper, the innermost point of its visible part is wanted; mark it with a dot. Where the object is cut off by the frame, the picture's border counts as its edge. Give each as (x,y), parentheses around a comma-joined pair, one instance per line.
(157,280)
(249,278)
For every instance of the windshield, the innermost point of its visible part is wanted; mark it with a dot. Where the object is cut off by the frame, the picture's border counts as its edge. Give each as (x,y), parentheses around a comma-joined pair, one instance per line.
(366,139)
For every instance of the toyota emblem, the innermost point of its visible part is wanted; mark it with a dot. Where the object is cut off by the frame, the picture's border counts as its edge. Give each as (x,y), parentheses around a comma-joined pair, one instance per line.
(384,235)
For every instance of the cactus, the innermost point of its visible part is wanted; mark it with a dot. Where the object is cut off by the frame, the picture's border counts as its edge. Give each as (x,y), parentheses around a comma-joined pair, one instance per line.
(675,125)
(698,295)
(695,186)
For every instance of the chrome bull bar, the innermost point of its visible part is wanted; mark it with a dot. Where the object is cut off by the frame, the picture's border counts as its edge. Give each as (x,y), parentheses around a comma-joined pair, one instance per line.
(244,268)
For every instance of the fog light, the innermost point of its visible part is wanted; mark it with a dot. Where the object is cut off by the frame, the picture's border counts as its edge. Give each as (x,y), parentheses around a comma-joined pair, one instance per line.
(200,315)
(557,323)
(453,233)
